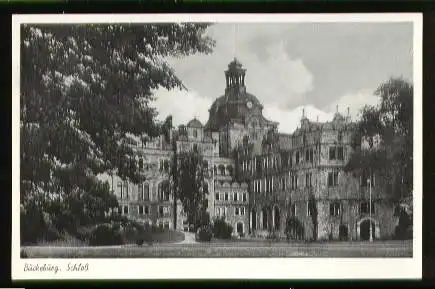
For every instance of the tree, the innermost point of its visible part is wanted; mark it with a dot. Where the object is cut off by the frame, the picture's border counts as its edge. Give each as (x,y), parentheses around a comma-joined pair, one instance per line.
(189,185)
(84,90)
(388,130)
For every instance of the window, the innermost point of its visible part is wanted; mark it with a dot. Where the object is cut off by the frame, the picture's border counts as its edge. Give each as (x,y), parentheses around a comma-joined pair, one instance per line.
(120,189)
(125,210)
(283,184)
(163,191)
(242,211)
(332,155)
(226,196)
(140,164)
(340,153)
(311,155)
(237,211)
(160,211)
(217,196)
(310,206)
(245,197)
(166,225)
(195,133)
(297,157)
(195,148)
(364,208)
(294,179)
(335,209)
(120,210)
(236,197)
(340,136)
(147,210)
(293,209)
(307,155)
(308,180)
(161,166)
(144,192)
(126,190)
(332,179)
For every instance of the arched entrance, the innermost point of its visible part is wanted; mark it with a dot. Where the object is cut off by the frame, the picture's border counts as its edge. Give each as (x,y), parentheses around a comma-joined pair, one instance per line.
(253,219)
(277,218)
(239,228)
(343,232)
(364,229)
(264,218)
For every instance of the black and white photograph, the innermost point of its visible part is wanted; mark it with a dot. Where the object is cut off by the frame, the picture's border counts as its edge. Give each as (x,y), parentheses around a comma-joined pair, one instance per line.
(269,146)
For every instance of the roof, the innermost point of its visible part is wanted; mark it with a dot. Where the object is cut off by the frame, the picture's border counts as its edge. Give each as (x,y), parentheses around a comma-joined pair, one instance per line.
(194,123)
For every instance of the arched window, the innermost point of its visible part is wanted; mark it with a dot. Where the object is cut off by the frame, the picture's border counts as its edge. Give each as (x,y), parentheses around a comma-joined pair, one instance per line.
(144,192)
(163,191)
(222,170)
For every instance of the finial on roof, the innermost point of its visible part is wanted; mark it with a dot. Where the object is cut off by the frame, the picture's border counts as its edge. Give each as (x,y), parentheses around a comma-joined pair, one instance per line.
(336,108)
(317,118)
(303,112)
(348,111)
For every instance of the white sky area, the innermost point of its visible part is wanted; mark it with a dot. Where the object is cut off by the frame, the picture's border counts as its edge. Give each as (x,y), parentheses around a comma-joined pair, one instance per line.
(315,66)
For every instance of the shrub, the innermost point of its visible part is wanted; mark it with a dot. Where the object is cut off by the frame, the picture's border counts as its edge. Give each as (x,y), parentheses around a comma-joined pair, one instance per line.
(294,229)
(23,254)
(222,229)
(32,224)
(204,234)
(106,234)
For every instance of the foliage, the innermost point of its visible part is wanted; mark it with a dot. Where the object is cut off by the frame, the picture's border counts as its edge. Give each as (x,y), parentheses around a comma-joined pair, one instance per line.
(204,234)
(84,90)
(189,186)
(294,229)
(106,234)
(221,229)
(387,129)
(404,229)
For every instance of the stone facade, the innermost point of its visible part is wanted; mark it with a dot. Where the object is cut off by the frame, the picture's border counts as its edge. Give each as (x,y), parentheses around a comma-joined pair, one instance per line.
(258,177)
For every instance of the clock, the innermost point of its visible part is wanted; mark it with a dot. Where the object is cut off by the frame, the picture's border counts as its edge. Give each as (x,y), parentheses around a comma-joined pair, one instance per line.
(249,104)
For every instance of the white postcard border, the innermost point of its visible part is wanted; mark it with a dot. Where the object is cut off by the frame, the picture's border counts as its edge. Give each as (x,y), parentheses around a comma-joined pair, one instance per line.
(225,268)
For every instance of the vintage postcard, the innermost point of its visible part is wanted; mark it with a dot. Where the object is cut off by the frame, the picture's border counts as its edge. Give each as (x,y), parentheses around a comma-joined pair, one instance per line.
(197,146)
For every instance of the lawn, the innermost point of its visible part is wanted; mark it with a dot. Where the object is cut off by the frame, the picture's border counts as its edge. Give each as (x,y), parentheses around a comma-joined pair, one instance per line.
(230,250)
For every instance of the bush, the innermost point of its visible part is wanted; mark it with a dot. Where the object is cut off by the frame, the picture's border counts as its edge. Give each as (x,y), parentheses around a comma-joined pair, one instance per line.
(32,224)
(204,234)
(294,229)
(221,229)
(105,235)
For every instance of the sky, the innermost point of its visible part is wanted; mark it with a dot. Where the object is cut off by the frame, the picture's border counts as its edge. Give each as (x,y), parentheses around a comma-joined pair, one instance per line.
(290,66)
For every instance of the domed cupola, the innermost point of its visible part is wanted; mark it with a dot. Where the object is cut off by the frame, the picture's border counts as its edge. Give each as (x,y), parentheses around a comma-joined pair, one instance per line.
(235,77)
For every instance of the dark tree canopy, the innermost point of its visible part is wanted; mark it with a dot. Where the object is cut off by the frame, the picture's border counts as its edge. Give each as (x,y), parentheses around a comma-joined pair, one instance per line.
(84,89)
(387,129)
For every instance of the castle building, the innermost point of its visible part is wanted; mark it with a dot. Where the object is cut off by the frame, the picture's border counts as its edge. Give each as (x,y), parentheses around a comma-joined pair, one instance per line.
(257,177)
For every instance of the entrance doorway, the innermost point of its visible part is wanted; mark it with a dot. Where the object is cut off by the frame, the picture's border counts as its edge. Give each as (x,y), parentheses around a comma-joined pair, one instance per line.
(264,218)
(343,233)
(277,219)
(365,230)
(240,228)
(254,219)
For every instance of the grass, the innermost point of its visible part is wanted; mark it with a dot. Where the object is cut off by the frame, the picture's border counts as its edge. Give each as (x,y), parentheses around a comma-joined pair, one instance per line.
(231,250)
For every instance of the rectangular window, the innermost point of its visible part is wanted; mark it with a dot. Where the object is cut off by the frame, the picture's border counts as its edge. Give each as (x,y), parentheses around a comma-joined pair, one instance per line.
(311,155)
(237,211)
(226,196)
(310,205)
(364,208)
(217,196)
(166,225)
(245,197)
(294,180)
(335,209)
(160,211)
(242,211)
(120,189)
(283,184)
(120,210)
(141,209)
(307,155)
(236,197)
(332,179)
(147,210)
(308,183)
(125,210)
(126,189)
(297,157)
(340,153)
(332,155)
(293,209)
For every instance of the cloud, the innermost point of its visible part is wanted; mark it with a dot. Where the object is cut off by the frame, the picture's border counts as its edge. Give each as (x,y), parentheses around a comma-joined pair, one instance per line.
(182,105)
(353,101)
(289,120)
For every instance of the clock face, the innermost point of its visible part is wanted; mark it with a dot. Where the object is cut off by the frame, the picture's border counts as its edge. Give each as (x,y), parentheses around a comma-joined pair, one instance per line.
(249,104)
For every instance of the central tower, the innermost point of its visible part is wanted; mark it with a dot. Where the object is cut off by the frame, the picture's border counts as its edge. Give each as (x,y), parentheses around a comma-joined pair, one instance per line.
(235,78)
